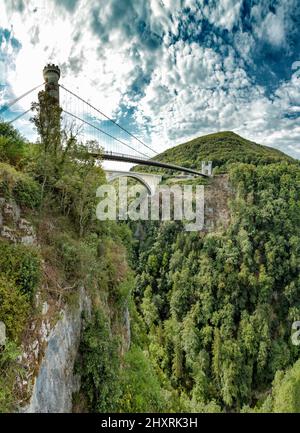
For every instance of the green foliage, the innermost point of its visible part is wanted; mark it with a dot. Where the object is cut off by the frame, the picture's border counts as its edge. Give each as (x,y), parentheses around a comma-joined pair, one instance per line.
(64,167)
(21,264)
(77,190)
(114,268)
(149,308)
(8,131)
(9,368)
(47,121)
(71,255)
(19,186)
(141,390)
(286,390)
(14,308)
(285,394)
(219,307)
(99,365)
(13,147)
(12,151)
(124,289)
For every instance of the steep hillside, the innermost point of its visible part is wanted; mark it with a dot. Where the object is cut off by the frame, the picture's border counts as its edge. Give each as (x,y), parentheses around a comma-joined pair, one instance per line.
(70,335)
(56,262)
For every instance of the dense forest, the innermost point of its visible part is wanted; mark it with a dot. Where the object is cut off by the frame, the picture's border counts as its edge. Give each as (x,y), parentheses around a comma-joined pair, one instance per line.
(211,314)
(219,307)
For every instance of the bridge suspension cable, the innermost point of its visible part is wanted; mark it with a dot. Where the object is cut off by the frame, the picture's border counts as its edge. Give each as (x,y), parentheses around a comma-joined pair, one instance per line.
(20,115)
(108,118)
(104,132)
(7,106)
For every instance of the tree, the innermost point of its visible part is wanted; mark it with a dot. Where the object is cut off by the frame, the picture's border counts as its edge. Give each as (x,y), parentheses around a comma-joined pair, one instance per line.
(99,365)
(12,145)
(65,167)
(47,121)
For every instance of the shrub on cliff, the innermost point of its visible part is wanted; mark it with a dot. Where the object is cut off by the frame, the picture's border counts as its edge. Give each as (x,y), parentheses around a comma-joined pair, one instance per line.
(99,365)
(22,265)
(9,368)
(141,390)
(19,186)
(14,308)
(13,147)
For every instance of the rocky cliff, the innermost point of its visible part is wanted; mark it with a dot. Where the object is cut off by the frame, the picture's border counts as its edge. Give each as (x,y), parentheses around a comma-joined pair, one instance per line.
(50,345)
(55,382)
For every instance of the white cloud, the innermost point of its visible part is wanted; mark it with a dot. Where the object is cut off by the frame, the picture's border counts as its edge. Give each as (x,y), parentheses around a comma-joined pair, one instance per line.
(134,56)
(225,13)
(274,27)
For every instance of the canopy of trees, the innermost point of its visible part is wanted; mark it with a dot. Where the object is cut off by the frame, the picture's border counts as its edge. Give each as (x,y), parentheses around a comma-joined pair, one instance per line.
(219,307)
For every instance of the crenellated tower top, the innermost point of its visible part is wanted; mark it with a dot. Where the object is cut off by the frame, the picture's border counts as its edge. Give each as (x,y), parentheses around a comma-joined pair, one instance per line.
(51,73)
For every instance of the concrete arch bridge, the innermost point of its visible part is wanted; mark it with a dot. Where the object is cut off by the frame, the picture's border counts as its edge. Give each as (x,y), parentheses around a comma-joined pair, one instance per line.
(150,181)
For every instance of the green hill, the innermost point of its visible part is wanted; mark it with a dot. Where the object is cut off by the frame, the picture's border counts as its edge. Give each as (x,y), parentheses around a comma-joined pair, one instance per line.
(222,148)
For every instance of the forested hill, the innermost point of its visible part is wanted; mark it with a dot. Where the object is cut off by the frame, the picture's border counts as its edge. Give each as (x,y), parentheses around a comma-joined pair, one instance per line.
(222,148)
(219,307)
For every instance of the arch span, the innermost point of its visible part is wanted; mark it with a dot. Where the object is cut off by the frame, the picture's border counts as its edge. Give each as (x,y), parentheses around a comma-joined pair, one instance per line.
(150,181)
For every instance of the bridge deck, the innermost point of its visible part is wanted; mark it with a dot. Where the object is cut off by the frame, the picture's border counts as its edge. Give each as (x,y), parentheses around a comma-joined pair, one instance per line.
(112,156)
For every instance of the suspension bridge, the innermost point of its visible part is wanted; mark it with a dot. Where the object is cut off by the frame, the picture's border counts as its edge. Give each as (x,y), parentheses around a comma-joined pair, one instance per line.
(110,140)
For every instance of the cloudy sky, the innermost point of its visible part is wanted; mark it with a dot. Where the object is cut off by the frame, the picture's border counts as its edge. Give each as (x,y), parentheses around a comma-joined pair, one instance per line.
(169,70)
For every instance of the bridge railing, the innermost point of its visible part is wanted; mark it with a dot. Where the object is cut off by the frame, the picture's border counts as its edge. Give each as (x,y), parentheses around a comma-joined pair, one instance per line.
(150,162)
(124,155)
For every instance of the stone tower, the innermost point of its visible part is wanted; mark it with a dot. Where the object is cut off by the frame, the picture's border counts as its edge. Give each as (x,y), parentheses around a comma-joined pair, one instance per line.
(206,168)
(51,74)
(50,119)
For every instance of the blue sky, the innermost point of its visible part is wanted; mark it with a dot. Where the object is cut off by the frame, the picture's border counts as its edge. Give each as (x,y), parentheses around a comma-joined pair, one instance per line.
(169,70)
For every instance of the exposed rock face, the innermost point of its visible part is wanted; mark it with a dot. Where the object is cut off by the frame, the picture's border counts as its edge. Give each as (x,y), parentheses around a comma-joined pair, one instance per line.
(55,381)
(2,334)
(13,228)
(127,329)
(51,341)
(217,193)
(49,351)
(216,211)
